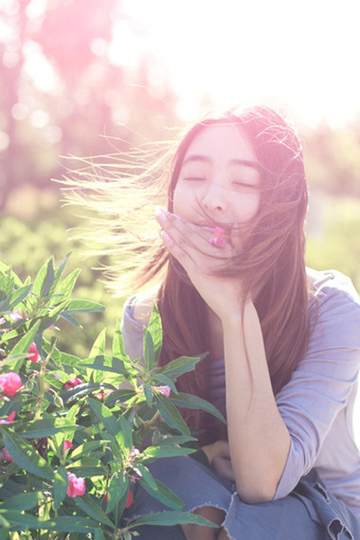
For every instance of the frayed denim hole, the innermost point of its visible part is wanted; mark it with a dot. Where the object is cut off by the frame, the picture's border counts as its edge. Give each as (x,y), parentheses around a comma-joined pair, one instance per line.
(338,531)
(322,490)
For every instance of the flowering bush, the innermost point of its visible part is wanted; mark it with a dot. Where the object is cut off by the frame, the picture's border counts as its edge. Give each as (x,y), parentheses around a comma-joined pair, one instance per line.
(74,441)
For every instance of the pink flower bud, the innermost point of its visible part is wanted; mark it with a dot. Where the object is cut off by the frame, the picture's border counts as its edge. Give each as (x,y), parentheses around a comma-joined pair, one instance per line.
(67,446)
(102,395)
(72,383)
(10,419)
(33,354)
(5,456)
(164,390)
(130,500)
(76,485)
(10,383)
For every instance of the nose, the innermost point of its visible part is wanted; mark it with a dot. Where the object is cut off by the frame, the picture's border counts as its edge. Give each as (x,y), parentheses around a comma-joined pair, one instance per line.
(214,199)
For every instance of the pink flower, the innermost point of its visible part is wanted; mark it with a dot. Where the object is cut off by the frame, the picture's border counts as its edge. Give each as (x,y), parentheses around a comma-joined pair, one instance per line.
(5,456)
(130,500)
(101,395)
(164,390)
(73,382)
(76,485)
(16,316)
(10,419)
(33,354)
(67,446)
(218,238)
(10,383)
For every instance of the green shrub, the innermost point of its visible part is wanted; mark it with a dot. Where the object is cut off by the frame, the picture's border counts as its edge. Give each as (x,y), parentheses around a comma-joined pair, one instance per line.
(72,441)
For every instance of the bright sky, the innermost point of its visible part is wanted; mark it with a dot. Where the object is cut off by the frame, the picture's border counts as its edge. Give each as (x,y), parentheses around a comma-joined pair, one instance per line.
(303,56)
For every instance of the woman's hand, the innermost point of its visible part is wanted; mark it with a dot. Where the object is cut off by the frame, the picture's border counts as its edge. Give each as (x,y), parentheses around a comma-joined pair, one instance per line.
(190,245)
(218,455)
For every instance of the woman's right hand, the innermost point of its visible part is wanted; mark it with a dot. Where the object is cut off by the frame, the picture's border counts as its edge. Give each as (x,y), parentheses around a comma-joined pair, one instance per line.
(218,454)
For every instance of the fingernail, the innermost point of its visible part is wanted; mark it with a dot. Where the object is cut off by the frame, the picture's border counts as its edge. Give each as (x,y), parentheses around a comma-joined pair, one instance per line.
(165,237)
(160,214)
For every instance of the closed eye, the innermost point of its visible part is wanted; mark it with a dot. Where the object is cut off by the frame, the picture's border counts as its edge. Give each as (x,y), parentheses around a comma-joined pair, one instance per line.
(242,183)
(193,178)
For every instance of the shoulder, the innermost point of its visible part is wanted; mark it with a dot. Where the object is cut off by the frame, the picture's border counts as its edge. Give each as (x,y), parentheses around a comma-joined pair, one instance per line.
(334,306)
(139,306)
(332,284)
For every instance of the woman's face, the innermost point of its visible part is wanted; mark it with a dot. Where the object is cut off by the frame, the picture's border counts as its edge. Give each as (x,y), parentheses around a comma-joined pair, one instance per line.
(219,181)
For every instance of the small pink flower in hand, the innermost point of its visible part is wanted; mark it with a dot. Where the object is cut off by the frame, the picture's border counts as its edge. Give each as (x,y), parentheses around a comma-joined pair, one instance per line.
(73,382)
(33,354)
(218,238)
(10,383)
(76,485)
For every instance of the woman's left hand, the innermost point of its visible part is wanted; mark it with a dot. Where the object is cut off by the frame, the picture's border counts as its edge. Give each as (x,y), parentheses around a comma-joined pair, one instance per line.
(190,245)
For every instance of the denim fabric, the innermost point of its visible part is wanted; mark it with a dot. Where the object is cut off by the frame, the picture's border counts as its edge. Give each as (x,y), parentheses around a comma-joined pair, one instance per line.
(309,512)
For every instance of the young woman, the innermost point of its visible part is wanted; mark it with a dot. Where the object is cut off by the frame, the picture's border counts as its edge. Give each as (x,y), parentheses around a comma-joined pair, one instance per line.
(283,340)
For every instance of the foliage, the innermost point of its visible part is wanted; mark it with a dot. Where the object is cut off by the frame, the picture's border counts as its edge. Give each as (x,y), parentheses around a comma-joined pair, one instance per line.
(74,444)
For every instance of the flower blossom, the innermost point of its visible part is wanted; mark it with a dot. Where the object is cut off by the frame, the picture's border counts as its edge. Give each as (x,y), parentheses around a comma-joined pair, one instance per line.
(130,500)
(73,382)
(164,390)
(76,485)
(10,419)
(5,456)
(10,383)
(218,238)
(67,446)
(102,395)
(33,354)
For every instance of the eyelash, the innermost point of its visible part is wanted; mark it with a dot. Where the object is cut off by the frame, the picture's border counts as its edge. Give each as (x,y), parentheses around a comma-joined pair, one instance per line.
(244,184)
(192,178)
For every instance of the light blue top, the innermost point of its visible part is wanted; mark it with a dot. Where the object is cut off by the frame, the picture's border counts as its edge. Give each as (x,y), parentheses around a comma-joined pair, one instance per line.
(317,403)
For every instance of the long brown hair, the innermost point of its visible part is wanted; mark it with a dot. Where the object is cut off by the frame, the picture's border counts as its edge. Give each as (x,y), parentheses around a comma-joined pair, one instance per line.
(271,266)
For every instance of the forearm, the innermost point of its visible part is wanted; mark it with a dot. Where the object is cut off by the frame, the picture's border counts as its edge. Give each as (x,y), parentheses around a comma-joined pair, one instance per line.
(258,437)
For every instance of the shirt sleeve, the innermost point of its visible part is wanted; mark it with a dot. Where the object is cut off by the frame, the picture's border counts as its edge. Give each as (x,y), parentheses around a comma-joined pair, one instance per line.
(322,383)
(132,331)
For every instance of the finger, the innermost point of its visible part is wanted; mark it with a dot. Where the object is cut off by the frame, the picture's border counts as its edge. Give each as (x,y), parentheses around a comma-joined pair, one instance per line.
(191,236)
(178,252)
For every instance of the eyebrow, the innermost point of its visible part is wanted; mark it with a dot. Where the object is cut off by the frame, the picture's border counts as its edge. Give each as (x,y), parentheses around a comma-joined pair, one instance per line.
(244,162)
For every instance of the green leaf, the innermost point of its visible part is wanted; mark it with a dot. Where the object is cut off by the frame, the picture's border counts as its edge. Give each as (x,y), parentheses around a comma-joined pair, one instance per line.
(88,472)
(148,394)
(155,329)
(167,451)
(47,427)
(87,448)
(190,401)
(42,277)
(98,347)
(125,436)
(149,354)
(105,416)
(49,278)
(69,318)
(170,414)
(164,495)
(92,508)
(146,476)
(60,487)
(67,285)
(117,488)
(83,306)
(181,365)
(99,535)
(23,345)
(170,518)
(118,344)
(25,455)
(19,295)
(24,501)
(105,363)
(122,395)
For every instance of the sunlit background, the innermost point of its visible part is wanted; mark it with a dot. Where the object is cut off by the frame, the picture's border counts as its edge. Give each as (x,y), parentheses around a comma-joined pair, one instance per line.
(85,77)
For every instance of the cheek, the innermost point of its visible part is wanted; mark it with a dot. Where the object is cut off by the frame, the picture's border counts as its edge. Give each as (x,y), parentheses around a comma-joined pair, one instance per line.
(182,202)
(247,208)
